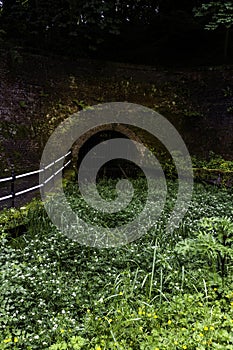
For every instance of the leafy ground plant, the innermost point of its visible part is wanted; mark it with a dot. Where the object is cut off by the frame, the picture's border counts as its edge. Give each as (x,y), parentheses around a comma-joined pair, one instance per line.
(212,243)
(57,294)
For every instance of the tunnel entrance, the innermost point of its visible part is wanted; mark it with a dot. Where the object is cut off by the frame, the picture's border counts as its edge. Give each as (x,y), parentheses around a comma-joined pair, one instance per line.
(116,168)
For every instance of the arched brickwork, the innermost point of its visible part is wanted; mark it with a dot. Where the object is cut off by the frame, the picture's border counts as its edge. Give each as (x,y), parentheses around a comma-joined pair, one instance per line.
(120,128)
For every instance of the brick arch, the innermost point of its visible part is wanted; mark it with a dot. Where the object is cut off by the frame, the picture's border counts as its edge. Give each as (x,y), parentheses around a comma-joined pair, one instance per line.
(126,131)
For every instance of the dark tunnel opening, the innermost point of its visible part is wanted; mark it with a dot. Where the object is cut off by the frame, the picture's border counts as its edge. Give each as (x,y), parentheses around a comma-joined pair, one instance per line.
(116,168)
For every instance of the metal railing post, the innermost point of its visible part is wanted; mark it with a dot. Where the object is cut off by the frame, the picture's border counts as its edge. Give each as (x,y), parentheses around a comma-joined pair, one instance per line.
(43,179)
(13,188)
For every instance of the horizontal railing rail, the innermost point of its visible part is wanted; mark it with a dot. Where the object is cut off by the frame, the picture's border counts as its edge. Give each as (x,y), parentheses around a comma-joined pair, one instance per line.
(13,178)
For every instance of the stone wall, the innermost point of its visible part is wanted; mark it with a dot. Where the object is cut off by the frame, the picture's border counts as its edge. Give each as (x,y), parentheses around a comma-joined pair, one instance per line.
(36,89)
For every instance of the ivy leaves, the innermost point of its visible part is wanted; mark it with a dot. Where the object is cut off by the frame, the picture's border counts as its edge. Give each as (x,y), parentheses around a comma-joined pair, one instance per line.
(220,14)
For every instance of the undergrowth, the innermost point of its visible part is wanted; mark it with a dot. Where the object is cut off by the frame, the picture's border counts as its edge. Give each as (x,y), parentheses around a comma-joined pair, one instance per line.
(159,292)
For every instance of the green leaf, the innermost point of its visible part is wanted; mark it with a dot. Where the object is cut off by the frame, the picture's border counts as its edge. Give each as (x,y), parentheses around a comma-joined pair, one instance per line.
(22,104)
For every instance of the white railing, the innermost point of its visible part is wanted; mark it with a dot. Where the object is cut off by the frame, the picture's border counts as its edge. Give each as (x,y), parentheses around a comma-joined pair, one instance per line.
(13,178)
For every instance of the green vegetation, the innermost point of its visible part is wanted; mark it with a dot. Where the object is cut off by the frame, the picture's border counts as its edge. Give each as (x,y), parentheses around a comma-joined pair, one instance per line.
(163,291)
(139,30)
(213,168)
(160,292)
(215,162)
(221,14)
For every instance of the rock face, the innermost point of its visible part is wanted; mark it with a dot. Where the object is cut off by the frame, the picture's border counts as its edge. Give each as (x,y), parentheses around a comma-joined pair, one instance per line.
(36,92)
(19,106)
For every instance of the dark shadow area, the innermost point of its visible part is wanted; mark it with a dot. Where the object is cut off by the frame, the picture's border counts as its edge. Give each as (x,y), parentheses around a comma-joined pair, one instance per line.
(145,32)
(117,168)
